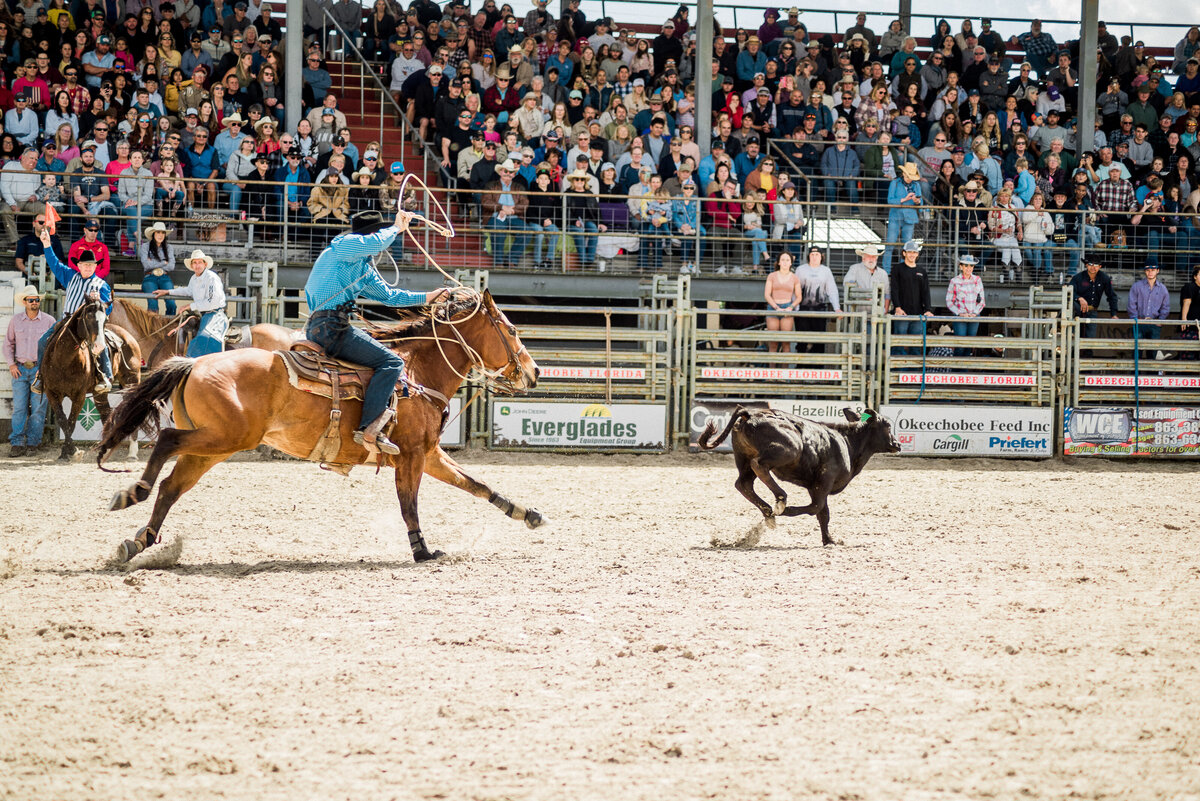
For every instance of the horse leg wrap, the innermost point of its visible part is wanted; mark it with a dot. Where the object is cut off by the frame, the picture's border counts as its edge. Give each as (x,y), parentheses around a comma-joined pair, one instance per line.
(421,552)
(125,498)
(514,510)
(140,542)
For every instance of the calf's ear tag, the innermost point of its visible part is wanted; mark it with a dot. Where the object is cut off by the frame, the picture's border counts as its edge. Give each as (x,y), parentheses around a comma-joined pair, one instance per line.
(865,418)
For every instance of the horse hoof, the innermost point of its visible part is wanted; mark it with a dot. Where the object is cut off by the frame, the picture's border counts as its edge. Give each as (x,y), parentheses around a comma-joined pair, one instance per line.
(426,556)
(120,500)
(780,506)
(534,518)
(769,521)
(127,550)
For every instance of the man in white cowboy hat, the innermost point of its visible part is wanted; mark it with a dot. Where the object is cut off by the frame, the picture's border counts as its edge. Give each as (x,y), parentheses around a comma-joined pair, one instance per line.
(82,286)
(904,197)
(21,353)
(158,259)
(864,275)
(504,204)
(208,300)
(343,273)
(228,139)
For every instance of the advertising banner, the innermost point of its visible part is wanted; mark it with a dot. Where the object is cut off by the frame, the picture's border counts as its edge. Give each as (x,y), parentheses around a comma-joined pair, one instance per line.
(967,379)
(1147,381)
(88,426)
(769,374)
(616,373)
(972,430)
(1122,431)
(823,411)
(589,426)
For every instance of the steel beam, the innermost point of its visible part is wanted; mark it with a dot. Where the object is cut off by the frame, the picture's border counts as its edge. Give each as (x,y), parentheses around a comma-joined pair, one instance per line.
(1085,104)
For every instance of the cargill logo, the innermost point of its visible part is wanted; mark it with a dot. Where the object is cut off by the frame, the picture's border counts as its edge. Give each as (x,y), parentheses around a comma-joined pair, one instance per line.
(954,443)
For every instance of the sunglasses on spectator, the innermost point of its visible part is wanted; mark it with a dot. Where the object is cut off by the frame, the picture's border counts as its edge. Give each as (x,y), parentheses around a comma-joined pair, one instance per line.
(40,220)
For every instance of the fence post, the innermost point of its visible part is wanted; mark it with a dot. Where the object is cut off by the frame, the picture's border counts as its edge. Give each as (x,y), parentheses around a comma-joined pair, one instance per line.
(562,242)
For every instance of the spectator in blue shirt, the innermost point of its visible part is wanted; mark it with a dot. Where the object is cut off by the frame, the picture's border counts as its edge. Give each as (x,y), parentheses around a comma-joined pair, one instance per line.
(293,179)
(904,195)
(21,121)
(750,61)
(200,161)
(840,162)
(747,161)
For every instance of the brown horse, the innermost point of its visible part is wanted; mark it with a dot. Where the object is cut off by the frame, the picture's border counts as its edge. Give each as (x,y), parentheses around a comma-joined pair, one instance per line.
(233,401)
(68,368)
(156,336)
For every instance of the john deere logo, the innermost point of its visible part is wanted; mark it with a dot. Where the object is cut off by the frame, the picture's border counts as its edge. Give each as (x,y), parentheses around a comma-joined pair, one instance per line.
(596,410)
(88,414)
(505,411)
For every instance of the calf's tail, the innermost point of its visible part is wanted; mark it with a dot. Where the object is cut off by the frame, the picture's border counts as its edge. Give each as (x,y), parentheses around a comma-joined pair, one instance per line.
(706,441)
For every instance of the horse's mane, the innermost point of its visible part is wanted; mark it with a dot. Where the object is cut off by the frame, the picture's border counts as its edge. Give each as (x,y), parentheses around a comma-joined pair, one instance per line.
(145,321)
(416,321)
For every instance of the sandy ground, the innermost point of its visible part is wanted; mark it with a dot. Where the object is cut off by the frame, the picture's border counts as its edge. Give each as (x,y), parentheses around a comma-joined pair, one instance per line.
(988,630)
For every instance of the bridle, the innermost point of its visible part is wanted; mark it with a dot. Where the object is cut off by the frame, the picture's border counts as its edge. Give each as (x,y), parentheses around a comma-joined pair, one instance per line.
(496,379)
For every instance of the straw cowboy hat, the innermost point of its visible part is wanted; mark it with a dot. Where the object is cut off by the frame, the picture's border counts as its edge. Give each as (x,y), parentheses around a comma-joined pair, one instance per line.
(232,118)
(158,226)
(27,291)
(910,171)
(869,250)
(579,174)
(258,126)
(199,254)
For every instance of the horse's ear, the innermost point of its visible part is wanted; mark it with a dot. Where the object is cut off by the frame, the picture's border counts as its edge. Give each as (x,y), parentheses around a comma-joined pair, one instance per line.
(488,301)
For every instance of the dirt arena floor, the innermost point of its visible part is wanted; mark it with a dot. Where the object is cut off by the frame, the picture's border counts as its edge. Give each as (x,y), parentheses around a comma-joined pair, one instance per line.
(988,630)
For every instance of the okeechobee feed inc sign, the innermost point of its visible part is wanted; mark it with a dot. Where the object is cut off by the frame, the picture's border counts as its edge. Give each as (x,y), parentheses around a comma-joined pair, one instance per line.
(823,411)
(972,430)
(1125,431)
(592,426)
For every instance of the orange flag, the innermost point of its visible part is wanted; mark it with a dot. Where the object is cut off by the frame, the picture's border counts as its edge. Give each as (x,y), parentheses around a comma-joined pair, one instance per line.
(52,217)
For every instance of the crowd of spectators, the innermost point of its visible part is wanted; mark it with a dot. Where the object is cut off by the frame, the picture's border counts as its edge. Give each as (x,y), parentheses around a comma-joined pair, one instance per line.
(573,134)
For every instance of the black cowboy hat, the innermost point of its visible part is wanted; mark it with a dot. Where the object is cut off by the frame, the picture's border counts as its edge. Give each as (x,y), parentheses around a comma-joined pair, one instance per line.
(85,255)
(367,222)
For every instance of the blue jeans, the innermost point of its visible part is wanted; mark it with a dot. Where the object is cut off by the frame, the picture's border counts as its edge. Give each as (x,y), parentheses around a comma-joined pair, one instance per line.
(897,231)
(795,242)
(176,196)
(1146,331)
(758,243)
(235,195)
(539,240)
(152,282)
(964,328)
(1087,330)
(906,326)
(585,240)
(651,250)
(690,246)
(1038,256)
(211,336)
(832,185)
(507,257)
(136,214)
(343,341)
(29,411)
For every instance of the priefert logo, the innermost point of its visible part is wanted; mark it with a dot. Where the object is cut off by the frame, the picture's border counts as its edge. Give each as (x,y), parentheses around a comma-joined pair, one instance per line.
(1018,443)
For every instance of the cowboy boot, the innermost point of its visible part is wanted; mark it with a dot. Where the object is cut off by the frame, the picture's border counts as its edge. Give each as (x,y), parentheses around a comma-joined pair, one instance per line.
(372,437)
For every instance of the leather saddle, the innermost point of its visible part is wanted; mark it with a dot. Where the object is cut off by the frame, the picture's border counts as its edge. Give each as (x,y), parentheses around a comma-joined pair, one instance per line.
(310,370)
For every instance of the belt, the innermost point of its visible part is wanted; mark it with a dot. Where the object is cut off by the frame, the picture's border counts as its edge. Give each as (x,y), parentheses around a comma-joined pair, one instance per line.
(28,364)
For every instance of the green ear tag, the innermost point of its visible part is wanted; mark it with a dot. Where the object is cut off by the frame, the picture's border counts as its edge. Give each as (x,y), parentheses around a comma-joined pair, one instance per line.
(866,416)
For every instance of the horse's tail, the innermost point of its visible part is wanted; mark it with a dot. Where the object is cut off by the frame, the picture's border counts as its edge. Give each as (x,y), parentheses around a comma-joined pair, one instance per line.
(706,441)
(142,403)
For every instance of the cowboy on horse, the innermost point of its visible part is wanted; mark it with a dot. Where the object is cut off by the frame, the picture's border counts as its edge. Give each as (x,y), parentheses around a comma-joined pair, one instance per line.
(208,301)
(81,287)
(343,273)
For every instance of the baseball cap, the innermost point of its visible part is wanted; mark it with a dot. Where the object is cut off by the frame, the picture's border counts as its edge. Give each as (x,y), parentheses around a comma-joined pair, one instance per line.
(397,167)
(89,145)
(92,225)
(912,246)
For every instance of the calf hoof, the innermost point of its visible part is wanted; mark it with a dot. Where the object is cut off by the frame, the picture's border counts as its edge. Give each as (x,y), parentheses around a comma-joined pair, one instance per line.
(534,518)
(426,556)
(780,506)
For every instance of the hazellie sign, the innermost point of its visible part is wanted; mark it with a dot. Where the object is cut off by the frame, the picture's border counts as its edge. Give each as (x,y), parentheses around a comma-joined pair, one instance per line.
(972,430)
(591,426)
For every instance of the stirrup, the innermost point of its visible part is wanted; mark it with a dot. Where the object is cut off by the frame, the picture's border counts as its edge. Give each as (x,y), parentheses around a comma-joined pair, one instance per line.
(103,386)
(381,444)
(36,387)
